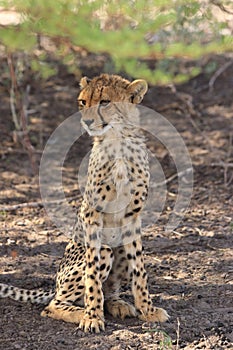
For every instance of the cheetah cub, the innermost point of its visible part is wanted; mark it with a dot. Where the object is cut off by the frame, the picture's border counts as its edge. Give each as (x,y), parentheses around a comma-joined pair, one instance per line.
(106,249)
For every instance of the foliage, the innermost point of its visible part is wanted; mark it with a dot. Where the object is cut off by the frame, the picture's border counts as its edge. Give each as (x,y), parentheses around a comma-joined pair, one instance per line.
(132,32)
(164,340)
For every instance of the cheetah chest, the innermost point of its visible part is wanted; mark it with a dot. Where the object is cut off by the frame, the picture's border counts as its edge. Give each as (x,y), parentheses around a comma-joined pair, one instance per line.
(118,178)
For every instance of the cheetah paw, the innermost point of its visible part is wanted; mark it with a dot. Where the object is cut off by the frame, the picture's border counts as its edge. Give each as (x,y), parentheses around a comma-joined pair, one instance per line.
(120,308)
(155,315)
(90,324)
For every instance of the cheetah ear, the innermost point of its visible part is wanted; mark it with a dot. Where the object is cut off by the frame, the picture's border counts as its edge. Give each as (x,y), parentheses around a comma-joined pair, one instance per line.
(84,82)
(137,89)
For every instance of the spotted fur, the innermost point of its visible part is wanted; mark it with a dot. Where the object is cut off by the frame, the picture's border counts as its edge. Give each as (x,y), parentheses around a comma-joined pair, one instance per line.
(106,249)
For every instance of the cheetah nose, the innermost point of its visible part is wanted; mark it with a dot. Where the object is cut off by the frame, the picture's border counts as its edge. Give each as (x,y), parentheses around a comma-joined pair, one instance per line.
(88,122)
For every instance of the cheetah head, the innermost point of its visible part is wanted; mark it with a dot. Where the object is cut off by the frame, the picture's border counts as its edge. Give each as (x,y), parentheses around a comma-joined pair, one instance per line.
(98,101)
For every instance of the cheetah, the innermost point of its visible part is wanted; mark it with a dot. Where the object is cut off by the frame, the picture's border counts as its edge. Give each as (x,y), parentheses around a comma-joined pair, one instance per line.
(106,249)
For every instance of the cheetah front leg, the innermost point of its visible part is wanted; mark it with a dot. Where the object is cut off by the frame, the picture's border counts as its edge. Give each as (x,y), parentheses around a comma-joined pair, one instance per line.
(143,303)
(93,319)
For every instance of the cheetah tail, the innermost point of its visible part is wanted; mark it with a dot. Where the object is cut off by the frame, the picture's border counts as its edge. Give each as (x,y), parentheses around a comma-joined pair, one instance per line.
(35,296)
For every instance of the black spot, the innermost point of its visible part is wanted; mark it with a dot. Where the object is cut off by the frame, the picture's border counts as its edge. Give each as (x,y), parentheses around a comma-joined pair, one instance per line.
(129,256)
(78,279)
(128,214)
(93,236)
(99,208)
(91,298)
(134,244)
(91,289)
(103,197)
(127,234)
(136,201)
(75,273)
(136,210)
(108,188)
(102,267)
(99,190)
(138,252)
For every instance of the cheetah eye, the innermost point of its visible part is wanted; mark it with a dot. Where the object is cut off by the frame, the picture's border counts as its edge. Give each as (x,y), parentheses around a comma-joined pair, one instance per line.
(82,103)
(104,102)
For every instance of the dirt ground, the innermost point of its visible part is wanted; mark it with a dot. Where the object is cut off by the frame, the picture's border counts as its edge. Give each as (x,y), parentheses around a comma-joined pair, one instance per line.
(190,270)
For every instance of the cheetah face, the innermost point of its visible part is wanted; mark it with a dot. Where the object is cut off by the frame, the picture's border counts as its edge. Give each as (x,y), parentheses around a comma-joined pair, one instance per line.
(99,101)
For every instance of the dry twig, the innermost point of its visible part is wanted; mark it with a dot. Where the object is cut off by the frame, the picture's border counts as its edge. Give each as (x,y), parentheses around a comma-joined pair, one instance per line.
(221,6)
(190,112)
(36,204)
(218,73)
(178,334)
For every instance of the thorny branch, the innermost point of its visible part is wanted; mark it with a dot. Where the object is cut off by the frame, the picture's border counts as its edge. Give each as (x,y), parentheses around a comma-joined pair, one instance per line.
(16,100)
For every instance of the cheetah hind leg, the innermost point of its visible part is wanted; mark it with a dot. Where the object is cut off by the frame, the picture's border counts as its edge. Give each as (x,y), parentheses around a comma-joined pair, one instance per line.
(69,286)
(69,291)
(61,311)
